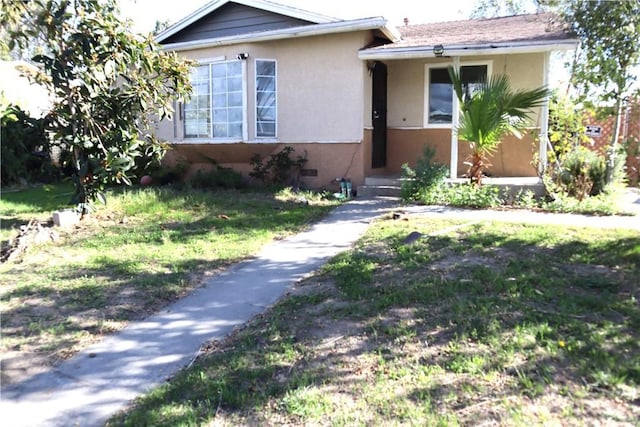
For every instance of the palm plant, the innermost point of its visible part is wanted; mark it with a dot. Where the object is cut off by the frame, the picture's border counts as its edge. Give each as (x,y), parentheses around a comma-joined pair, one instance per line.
(488,113)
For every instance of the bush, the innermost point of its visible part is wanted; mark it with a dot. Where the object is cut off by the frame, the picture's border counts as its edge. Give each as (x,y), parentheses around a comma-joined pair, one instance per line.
(426,181)
(218,177)
(473,196)
(25,149)
(280,169)
(582,173)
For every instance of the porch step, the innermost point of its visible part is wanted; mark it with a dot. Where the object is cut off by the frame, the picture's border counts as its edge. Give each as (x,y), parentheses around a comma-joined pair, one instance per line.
(378,190)
(387,186)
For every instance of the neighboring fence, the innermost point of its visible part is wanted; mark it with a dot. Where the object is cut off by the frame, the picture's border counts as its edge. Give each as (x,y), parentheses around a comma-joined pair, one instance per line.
(629,137)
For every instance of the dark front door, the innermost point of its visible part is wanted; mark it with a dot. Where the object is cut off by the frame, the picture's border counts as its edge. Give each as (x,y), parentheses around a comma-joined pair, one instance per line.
(379,116)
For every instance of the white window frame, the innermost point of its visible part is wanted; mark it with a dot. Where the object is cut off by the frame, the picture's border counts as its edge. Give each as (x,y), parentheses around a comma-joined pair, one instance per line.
(255,98)
(211,138)
(427,76)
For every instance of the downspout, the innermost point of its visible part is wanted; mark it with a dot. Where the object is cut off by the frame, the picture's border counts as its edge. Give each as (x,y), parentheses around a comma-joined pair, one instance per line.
(455,120)
(544,120)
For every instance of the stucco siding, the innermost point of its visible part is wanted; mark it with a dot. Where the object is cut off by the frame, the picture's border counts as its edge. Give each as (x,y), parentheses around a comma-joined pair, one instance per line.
(512,158)
(320,87)
(407,83)
(328,161)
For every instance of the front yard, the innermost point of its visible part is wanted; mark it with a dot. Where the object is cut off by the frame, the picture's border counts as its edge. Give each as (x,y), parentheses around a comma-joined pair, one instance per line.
(474,324)
(143,250)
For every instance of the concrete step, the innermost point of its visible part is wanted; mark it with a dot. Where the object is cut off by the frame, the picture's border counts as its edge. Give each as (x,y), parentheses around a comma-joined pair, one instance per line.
(374,181)
(379,190)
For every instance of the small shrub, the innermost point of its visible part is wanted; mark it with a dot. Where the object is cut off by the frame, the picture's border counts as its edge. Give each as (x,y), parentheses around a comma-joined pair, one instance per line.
(474,196)
(280,169)
(582,173)
(218,177)
(426,180)
(602,204)
(526,199)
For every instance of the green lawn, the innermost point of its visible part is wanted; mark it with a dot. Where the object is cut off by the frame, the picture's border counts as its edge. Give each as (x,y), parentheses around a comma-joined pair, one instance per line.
(485,323)
(144,249)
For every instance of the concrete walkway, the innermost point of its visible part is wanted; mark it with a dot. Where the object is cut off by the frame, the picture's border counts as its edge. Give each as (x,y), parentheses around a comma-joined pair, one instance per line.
(102,379)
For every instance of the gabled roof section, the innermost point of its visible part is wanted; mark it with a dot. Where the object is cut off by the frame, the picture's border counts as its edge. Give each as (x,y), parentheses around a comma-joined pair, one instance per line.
(521,33)
(270,11)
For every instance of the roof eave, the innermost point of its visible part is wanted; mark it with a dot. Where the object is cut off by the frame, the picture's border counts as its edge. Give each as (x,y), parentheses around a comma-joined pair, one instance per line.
(286,33)
(468,50)
(259,4)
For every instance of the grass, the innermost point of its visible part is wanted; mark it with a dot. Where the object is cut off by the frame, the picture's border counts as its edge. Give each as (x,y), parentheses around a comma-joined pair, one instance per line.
(144,249)
(474,323)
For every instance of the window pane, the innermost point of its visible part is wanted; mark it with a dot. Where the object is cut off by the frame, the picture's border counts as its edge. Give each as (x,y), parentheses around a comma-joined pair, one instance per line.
(441,90)
(440,103)
(219,85)
(220,131)
(472,77)
(235,130)
(266,129)
(219,70)
(473,73)
(266,99)
(235,99)
(234,84)
(268,114)
(439,75)
(220,115)
(197,117)
(234,68)
(265,68)
(266,84)
(235,115)
(220,100)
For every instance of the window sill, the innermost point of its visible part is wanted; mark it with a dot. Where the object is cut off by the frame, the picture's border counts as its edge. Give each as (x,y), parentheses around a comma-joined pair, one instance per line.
(438,126)
(208,141)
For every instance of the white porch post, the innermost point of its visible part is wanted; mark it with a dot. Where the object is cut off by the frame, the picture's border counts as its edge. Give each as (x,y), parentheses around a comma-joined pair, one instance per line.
(544,120)
(455,116)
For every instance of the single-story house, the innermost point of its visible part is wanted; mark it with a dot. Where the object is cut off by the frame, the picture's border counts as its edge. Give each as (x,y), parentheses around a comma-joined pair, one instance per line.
(360,97)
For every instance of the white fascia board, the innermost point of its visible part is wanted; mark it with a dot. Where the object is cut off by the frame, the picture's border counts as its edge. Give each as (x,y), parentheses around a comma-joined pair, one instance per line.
(391,33)
(258,4)
(471,50)
(291,11)
(294,32)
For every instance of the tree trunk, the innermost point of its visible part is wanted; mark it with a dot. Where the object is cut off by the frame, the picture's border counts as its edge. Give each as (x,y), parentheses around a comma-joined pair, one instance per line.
(613,147)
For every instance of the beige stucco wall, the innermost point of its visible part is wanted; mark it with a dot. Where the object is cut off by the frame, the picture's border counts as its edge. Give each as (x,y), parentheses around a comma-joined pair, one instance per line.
(406,83)
(320,86)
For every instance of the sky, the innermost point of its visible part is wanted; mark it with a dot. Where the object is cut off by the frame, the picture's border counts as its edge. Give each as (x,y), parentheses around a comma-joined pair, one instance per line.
(144,13)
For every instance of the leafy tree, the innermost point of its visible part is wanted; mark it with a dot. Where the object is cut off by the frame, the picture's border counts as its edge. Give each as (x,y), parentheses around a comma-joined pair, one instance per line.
(108,85)
(609,32)
(489,113)
(495,8)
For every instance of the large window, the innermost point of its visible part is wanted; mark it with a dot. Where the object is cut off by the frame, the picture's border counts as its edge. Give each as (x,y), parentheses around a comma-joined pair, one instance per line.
(266,102)
(440,90)
(197,112)
(216,106)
